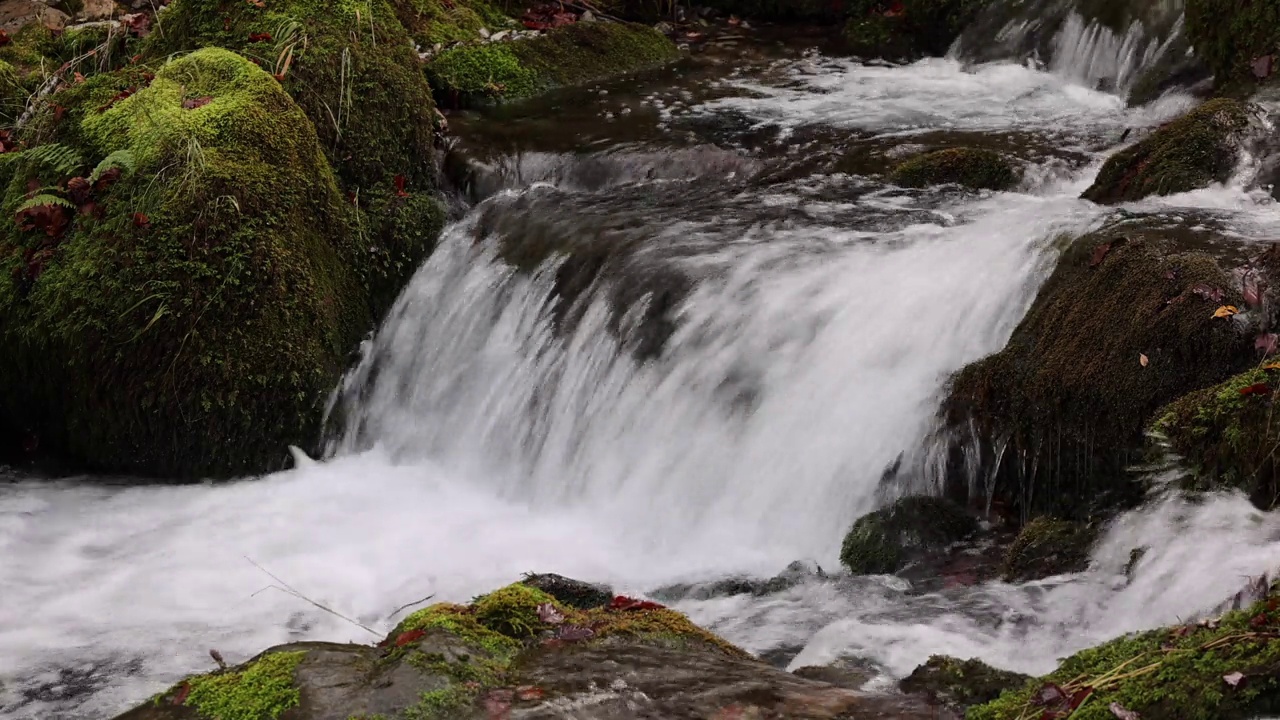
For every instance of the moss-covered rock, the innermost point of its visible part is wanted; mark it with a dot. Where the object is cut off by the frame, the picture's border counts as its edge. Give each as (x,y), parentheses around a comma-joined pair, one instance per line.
(920,28)
(262,690)
(1123,326)
(1180,673)
(1227,435)
(433,22)
(190,319)
(1048,546)
(1192,152)
(1230,37)
(572,55)
(974,168)
(887,540)
(960,684)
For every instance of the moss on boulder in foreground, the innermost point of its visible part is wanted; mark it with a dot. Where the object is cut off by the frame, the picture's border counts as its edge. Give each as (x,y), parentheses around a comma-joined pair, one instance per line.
(1192,152)
(192,319)
(971,167)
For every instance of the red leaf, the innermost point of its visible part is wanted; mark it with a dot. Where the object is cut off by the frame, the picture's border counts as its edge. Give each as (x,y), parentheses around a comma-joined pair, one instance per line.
(1261,389)
(259,37)
(78,78)
(78,189)
(141,220)
(400,183)
(50,218)
(4,38)
(183,691)
(405,638)
(622,602)
(897,9)
(1208,293)
(528,693)
(193,103)
(134,60)
(548,614)
(123,94)
(1099,253)
(138,24)
(497,704)
(58,113)
(107,179)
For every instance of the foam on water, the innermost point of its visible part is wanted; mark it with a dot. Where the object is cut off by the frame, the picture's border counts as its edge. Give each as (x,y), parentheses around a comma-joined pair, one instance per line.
(482,446)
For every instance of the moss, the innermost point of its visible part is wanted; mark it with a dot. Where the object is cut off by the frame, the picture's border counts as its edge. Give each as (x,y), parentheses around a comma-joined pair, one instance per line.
(461,622)
(1229,37)
(1191,152)
(1168,674)
(433,22)
(196,327)
(512,611)
(571,55)
(1228,438)
(658,625)
(351,68)
(885,540)
(960,684)
(923,28)
(1064,405)
(447,702)
(262,690)
(971,167)
(1048,546)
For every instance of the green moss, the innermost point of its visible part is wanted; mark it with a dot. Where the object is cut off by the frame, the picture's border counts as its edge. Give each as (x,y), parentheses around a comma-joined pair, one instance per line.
(1228,37)
(884,541)
(434,22)
(447,702)
(1169,674)
(263,690)
(960,684)
(923,28)
(461,622)
(572,55)
(1228,438)
(512,611)
(971,167)
(1048,546)
(1191,152)
(1064,405)
(201,321)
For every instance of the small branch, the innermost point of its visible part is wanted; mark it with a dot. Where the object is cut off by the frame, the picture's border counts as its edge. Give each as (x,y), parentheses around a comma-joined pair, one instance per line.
(289,590)
(409,605)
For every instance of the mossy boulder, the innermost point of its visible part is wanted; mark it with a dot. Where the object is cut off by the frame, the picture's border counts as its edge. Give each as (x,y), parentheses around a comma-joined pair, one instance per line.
(887,540)
(975,168)
(190,319)
(1192,152)
(1231,37)
(1227,435)
(960,684)
(920,28)
(1124,325)
(1224,669)
(1048,546)
(518,652)
(434,22)
(576,54)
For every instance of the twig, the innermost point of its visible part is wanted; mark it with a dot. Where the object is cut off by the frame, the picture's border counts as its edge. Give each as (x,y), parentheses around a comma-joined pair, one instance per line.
(409,605)
(288,589)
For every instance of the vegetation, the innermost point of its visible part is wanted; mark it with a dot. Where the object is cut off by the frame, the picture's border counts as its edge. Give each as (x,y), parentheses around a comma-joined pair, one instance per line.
(1231,40)
(960,684)
(1046,547)
(973,168)
(916,29)
(884,541)
(262,690)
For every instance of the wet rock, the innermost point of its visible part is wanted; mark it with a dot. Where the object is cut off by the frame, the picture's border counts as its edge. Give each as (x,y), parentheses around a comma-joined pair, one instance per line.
(1224,668)
(1191,152)
(887,540)
(1231,38)
(907,30)
(574,593)
(960,684)
(517,652)
(1123,326)
(973,168)
(794,574)
(1046,547)
(851,673)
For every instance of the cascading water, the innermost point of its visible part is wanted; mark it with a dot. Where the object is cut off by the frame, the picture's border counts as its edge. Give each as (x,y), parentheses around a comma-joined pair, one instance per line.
(483,438)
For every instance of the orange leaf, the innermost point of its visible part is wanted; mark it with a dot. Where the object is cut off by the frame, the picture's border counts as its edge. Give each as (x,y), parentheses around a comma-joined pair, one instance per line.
(1226,311)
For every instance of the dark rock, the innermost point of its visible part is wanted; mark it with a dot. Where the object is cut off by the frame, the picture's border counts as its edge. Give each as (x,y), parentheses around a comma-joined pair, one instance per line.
(887,540)
(1046,547)
(794,574)
(574,593)
(920,28)
(1191,152)
(960,684)
(973,168)
(851,673)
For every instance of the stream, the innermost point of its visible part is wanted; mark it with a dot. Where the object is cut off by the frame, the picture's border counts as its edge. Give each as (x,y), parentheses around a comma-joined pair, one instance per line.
(482,439)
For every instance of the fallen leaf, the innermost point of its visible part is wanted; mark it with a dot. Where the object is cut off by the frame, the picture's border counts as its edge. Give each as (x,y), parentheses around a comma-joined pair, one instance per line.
(141,220)
(4,38)
(256,3)
(78,78)
(1208,293)
(138,24)
(528,693)
(405,638)
(1234,679)
(1267,343)
(1260,389)
(259,37)
(183,691)
(1119,711)
(107,179)
(1226,311)
(548,614)
(400,183)
(1099,253)
(1143,360)
(193,103)
(58,113)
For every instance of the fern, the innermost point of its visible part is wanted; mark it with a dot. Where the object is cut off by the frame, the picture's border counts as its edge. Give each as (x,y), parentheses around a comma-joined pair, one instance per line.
(122,159)
(60,159)
(45,199)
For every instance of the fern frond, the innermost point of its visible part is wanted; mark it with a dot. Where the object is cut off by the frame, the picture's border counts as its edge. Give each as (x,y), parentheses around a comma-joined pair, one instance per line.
(45,199)
(59,158)
(122,159)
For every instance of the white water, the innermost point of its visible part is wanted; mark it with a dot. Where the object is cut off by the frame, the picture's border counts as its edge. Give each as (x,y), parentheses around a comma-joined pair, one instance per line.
(488,448)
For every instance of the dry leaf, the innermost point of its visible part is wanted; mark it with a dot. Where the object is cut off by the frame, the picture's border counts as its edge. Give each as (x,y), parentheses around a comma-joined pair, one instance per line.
(1226,311)
(1234,679)
(1119,711)
(1143,360)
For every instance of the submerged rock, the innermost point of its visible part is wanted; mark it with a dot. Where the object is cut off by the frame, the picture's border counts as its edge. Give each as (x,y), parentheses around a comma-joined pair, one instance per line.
(1189,153)
(1222,669)
(960,684)
(1124,325)
(973,168)
(518,652)
(887,540)
(1046,547)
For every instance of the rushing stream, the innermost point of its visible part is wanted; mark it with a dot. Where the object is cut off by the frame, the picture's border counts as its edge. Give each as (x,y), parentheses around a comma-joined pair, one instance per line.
(480,443)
